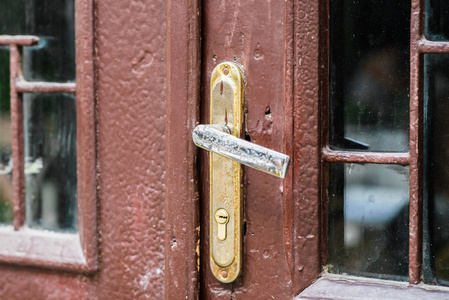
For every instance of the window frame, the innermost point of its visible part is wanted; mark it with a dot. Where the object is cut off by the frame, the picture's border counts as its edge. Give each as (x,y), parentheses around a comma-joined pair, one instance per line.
(332,286)
(326,285)
(30,247)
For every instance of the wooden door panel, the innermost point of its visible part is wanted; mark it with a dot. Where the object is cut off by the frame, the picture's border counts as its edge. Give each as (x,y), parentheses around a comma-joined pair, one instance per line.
(131,133)
(149,71)
(251,34)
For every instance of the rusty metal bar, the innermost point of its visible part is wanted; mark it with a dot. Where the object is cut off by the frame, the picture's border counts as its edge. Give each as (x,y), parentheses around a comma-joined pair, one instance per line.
(416,134)
(425,46)
(334,156)
(18,175)
(44,87)
(19,40)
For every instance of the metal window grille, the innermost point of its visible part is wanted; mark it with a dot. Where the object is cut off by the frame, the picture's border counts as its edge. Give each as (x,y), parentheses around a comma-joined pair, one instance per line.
(414,158)
(18,86)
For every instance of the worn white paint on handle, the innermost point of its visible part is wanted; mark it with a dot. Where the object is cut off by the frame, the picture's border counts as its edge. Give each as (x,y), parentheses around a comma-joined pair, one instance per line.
(216,138)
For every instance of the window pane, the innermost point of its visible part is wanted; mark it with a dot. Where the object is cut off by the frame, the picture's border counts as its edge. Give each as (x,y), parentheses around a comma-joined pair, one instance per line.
(49,120)
(12,17)
(54,58)
(50,161)
(368,220)
(6,197)
(437,20)
(369,75)
(436,166)
(53,22)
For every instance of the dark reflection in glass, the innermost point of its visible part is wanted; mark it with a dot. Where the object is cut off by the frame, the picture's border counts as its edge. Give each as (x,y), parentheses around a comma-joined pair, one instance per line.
(436,166)
(53,22)
(6,195)
(369,75)
(54,58)
(12,17)
(437,20)
(50,161)
(368,220)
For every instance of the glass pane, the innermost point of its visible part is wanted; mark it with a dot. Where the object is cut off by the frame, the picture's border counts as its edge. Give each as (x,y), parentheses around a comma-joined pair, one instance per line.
(49,120)
(6,195)
(12,17)
(50,161)
(53,22)
(369,75)
(436,169)
(368,220)
(437,20)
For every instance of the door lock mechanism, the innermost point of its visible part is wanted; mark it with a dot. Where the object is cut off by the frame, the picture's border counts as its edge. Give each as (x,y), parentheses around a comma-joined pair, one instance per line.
(222,138)
(222,218)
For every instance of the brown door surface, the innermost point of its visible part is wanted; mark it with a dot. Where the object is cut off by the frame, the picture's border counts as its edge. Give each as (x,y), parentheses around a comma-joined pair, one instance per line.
(258,36)
(142,84)
(139,87)
(277,45)
(284,49)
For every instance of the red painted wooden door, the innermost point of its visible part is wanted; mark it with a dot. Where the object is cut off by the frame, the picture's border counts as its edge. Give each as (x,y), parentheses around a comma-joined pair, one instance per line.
(259,37)
(142,84)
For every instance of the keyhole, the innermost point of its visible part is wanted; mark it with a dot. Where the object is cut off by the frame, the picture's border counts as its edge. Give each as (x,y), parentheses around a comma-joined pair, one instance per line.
(222,218)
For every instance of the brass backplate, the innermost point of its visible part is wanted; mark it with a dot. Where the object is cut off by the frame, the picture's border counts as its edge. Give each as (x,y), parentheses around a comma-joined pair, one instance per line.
(226,108)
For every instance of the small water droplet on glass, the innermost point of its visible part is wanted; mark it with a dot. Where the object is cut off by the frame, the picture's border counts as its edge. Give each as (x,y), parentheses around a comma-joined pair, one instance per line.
(350,168)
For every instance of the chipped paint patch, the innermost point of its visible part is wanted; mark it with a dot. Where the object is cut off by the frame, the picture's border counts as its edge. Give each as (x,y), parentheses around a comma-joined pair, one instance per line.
(145,279)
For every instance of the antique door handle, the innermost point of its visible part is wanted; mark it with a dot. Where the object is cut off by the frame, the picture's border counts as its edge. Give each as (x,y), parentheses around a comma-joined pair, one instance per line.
(217,139)
(228,151)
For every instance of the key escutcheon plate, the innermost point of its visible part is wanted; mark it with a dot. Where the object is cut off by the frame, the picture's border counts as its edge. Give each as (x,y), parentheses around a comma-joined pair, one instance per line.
(226,108)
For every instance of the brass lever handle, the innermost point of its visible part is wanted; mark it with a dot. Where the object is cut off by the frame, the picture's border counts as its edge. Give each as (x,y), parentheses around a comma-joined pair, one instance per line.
(217,138)
(228,152)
